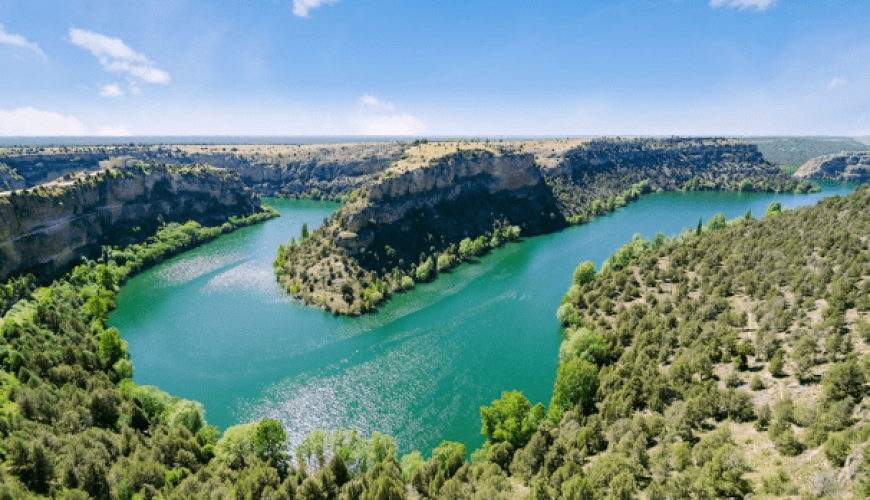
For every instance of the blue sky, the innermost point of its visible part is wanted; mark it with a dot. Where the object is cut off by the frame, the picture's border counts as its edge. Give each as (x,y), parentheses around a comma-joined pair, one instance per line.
(434,67)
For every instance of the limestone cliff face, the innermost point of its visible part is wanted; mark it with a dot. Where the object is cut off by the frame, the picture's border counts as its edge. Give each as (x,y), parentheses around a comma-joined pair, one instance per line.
(458,195)
(681,158)
(841,167)
(599,169)
(47,230)
(331,169)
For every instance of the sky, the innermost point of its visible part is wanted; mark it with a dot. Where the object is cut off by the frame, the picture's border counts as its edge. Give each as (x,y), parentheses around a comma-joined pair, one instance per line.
(434,67)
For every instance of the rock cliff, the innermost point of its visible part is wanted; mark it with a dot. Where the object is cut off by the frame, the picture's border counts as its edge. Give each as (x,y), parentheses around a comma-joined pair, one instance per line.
(416,214)
(853,167)
(457,196)
(601,168)
(317,170)
(47,229)
(444,202)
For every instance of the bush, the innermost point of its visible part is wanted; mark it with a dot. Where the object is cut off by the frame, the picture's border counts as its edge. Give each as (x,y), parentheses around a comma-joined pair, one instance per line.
(584,273)
(777,365)
(567,315)
(756,384)
(787,443)
(837,449)
(407,283)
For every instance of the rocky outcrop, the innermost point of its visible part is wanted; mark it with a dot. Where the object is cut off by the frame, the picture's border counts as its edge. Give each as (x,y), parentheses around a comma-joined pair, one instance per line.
(320,171)
(460,195)
(686,155)
(599,169)
(445,202)
(854,167)
(419,218)
(47,229)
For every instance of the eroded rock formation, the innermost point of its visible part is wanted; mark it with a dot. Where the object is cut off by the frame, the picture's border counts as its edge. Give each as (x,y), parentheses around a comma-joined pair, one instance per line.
(45,230)
(854,167)
(317,170)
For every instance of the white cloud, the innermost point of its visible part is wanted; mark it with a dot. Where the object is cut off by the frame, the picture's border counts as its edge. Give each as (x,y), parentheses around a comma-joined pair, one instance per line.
(377,117)
(837,83)
(757,5)
(372,102)
(34,122)
(116,131)
(116,57)
(302,7)
(111,90)
(14,40)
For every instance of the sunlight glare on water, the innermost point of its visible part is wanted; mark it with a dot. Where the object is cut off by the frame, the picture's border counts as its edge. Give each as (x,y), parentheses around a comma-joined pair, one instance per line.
(212,325)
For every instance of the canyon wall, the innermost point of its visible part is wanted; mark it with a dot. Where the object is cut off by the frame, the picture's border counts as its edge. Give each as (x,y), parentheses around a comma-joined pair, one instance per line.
(456,196)
(598,169)
(46,230)
(321,171)
(854,167)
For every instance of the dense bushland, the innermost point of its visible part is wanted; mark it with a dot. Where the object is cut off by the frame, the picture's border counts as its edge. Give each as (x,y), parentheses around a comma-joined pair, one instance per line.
(590,180)
(730,360)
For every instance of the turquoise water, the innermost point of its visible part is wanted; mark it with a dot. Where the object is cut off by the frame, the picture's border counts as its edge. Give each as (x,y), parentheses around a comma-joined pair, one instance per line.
(213,326)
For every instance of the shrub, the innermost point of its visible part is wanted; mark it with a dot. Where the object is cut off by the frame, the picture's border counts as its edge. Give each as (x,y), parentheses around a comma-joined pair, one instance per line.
(837,448)
(584,273)
(777,365)
(756,384)
(407,283)
(787,443)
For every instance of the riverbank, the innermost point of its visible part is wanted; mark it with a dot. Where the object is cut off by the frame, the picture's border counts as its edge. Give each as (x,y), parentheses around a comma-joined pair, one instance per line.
(448,203)
(246,351)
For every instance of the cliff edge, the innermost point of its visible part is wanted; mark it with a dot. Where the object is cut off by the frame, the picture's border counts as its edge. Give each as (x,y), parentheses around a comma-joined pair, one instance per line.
(417,219)
(854,167)
(50,228)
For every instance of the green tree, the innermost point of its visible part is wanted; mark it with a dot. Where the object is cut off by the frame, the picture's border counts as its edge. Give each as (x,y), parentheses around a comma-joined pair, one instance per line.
(111,346)
(777,365)
(270,440)
(773,209)
(511,418)
(584,273)
(305,232)
(576,382)
(407,282)
(844,380)
(425,270)
(837,449)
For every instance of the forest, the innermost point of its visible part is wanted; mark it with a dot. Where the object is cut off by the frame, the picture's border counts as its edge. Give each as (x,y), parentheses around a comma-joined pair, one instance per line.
(727,361)
(317,271)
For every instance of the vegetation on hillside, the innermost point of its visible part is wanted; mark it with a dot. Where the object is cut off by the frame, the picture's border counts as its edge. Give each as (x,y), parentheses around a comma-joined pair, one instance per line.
(603,177)
(798,150)
(314,269)
(72,424)
(730,360)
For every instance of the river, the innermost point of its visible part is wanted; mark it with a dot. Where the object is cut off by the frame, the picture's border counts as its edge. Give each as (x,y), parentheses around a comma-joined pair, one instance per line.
(213,326)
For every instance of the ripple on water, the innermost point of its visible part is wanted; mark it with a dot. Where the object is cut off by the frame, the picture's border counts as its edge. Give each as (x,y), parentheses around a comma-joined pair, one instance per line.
(253,276)
(398,373)
(193,266)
